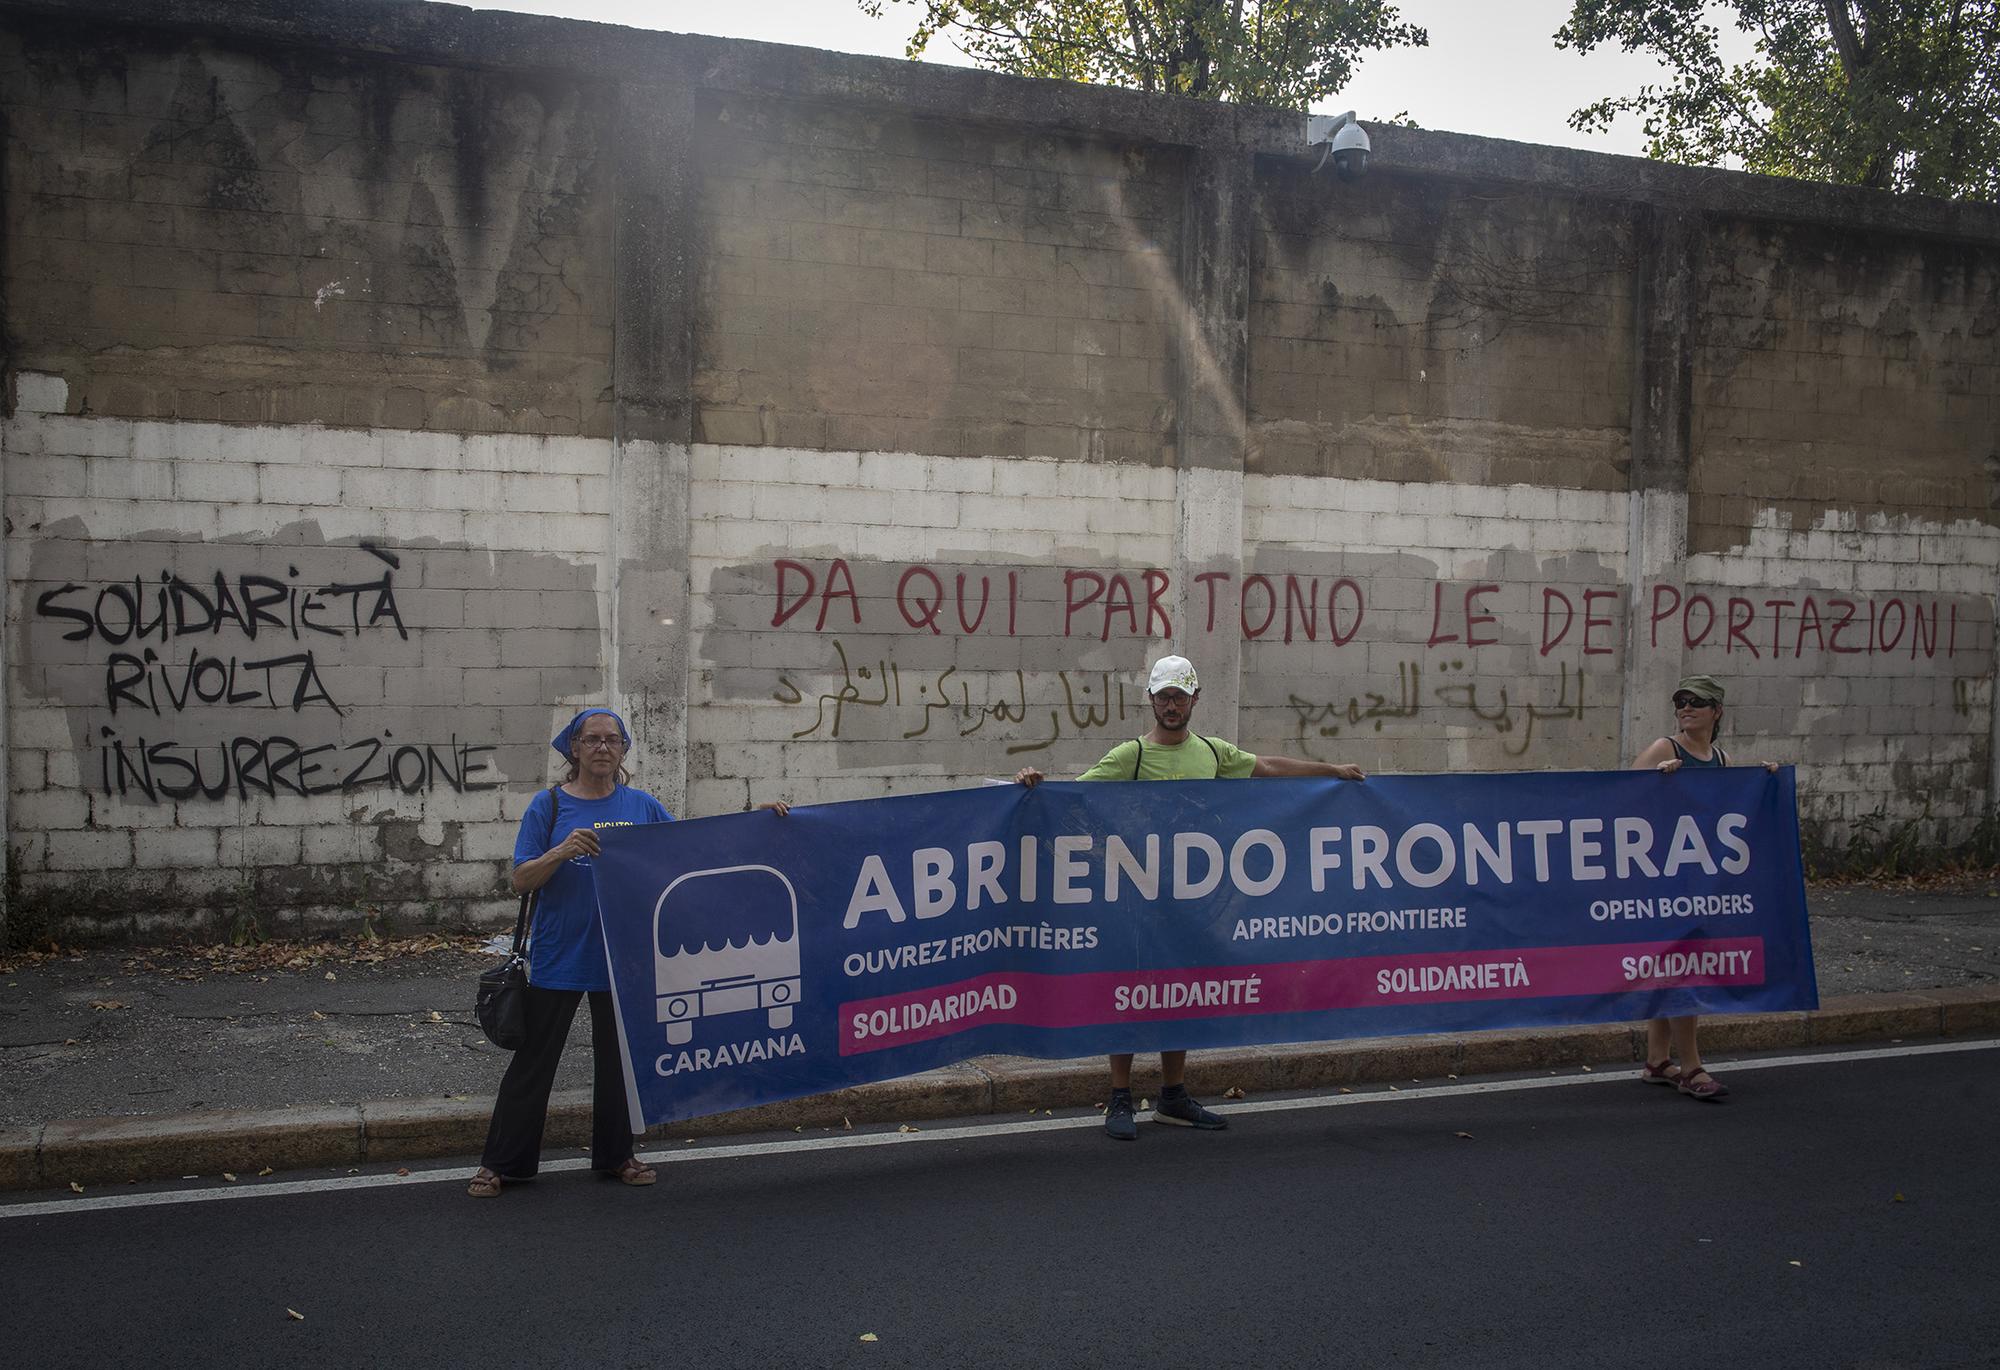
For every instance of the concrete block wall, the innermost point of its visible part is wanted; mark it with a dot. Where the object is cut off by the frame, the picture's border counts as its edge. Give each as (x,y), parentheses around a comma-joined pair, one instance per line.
(877,281)
(289,670)
(204,228)
(1860,648)
(1847,401)
(824,672)
(865,427)
(1461,627)
(868,623)
(1401,329)
(1840,370)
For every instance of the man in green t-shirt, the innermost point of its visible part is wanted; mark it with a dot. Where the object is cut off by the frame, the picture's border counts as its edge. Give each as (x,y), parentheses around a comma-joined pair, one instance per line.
(1169,752)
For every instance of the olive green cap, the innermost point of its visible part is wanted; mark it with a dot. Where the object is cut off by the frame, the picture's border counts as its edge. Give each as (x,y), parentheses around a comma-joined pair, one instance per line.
(1702,685)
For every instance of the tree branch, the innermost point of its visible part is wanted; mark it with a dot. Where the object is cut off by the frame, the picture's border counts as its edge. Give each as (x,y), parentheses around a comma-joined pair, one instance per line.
(1844,40)
(1139,45)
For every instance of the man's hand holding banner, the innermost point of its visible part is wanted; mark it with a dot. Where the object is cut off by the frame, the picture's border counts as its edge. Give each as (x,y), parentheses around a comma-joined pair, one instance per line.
(756,958)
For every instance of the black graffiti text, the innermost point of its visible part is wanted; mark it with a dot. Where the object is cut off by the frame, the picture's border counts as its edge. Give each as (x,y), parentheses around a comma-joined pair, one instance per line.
(144,611)
(169,769)
(156,686)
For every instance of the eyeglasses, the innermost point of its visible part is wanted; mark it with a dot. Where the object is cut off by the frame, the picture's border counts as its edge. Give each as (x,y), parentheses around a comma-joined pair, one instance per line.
(1688,701)
(609,744)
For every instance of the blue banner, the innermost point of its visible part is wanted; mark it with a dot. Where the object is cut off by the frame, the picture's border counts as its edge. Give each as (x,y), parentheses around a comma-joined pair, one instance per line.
(757,958)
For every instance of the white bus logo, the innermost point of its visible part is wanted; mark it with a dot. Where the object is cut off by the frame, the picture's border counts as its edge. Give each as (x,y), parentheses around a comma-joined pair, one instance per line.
(726,941)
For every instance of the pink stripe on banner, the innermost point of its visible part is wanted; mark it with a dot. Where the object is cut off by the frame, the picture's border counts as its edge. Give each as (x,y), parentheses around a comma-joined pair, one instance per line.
(1148,996)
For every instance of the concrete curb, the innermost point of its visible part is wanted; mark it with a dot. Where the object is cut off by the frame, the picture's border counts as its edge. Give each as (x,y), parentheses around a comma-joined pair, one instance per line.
(115,1150)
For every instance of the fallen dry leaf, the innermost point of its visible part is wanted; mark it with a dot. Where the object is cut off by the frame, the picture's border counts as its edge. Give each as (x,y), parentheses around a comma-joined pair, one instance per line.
(229,1175)
(435,1017)
(330,975)
(1586,1070)
(295,1315)
(1800,1264)
(265,1171)
(1232,1093)
(869,1336)
(318,1017)
(402,1170)
(75,1186)
(905,1128)
(1345,1090)
(107,1005)
(846,1124)
(1393,1087)
(1466,1135)
(1899,1199)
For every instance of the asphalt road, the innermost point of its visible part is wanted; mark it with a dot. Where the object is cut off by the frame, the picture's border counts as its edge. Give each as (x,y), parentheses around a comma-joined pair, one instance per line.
(1839,1213)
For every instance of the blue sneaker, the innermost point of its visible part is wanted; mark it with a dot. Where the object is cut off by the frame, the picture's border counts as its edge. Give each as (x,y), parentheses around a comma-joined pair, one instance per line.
(1180,1110)
(1119,1124)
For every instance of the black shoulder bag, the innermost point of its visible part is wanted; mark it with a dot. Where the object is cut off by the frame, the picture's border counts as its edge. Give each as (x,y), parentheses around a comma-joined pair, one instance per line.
(502,1002)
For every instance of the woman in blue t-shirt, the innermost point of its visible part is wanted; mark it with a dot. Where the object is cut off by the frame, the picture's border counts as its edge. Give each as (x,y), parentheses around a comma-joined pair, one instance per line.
(566,959)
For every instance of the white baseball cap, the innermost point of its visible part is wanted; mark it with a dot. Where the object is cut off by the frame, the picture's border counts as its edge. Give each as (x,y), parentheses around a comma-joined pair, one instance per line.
(1172,673)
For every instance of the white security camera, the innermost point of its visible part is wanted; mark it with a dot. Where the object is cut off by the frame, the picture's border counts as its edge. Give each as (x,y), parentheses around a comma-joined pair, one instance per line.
(1346,143)
(1350,152)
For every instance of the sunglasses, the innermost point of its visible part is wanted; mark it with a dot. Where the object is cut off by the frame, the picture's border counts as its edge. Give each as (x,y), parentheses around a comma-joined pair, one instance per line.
(1685,700)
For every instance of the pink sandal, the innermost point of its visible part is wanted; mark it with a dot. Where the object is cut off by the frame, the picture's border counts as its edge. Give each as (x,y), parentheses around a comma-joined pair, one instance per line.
(1701,1085)
(1665,1073)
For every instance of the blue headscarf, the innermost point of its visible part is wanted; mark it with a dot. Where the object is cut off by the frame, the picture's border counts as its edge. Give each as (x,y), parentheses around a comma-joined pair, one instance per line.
(566,738)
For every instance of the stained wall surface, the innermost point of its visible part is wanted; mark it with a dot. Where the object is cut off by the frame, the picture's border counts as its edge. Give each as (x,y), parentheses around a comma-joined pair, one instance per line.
(385,382)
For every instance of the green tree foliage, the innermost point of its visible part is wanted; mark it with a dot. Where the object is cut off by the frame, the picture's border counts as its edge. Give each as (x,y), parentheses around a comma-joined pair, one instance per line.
(1896,94)
(1286,53)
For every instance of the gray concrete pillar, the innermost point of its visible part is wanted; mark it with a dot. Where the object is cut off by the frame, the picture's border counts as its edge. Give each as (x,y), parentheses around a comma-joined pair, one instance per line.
(1211,354)
(1664,305)
(654,264)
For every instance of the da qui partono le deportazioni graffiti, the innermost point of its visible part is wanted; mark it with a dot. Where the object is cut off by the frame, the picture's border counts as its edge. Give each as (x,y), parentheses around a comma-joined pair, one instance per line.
(183,669)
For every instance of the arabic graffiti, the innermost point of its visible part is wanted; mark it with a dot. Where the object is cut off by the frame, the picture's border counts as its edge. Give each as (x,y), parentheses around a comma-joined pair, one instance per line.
(1089,705)
(1460,700)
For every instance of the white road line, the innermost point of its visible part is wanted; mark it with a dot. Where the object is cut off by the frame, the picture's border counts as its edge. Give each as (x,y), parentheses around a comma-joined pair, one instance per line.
(90,1203)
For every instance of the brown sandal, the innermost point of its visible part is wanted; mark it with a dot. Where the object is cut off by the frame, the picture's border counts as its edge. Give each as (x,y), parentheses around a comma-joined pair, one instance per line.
(1699,1084)
(635,1171)
(485,1185)
(1665,1073)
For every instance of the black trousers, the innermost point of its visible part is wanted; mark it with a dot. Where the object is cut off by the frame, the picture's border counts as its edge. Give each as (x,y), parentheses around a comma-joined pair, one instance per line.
(514,1137)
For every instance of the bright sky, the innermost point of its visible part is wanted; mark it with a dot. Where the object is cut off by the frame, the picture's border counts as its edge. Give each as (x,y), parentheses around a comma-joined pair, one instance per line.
(1491,67)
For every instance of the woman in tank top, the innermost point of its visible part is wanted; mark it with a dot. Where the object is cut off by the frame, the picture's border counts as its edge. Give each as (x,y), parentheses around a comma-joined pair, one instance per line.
(1673,1056)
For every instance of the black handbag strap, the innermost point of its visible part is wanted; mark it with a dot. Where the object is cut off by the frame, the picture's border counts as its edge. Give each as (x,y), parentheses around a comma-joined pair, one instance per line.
(1139,755)
(532,897)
